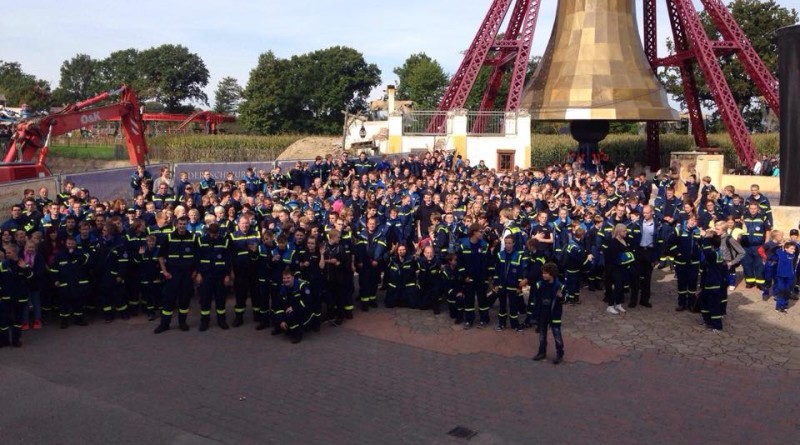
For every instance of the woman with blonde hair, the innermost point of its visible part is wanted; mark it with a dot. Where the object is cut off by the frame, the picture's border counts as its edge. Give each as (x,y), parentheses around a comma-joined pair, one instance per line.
(619,259)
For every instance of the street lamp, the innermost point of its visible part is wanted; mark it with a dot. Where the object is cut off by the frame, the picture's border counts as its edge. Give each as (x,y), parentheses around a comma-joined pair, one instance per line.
(362,132)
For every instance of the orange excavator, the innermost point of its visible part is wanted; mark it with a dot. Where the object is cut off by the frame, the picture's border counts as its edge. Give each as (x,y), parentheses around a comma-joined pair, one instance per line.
(34,135)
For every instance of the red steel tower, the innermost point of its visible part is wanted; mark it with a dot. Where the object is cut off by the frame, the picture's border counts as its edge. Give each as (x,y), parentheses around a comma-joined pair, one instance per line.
(692,44)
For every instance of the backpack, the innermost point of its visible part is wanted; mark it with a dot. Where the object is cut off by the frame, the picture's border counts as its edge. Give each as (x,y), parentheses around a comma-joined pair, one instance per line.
(730,246)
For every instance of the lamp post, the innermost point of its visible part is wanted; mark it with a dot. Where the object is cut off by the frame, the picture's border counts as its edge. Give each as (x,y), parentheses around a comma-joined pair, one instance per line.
(362,132)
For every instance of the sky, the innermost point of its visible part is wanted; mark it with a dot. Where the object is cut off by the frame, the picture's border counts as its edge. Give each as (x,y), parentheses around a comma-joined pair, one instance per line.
(229,35)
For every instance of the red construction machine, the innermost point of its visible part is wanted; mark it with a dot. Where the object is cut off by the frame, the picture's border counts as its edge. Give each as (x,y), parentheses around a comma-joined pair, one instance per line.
(33,135)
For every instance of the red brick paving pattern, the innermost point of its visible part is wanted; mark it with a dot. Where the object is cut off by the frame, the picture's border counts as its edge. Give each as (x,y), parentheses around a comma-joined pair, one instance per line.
(755,335)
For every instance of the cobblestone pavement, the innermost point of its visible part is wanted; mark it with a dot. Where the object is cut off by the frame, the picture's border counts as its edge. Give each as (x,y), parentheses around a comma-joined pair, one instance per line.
(754,335)
(408,377)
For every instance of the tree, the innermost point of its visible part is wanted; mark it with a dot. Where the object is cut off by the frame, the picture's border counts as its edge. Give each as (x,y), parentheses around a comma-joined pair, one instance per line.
(263,109)
(173,75)
(20,87)
(307,92)
(422,80)
(78,80)
(122,68)
(759,20)
(328,81)
(227,96)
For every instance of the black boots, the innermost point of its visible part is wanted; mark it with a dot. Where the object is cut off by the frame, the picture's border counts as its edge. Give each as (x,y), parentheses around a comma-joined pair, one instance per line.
(164,325)
(204,323)
(263,322)
(296,337)
(182,322)
(238,320)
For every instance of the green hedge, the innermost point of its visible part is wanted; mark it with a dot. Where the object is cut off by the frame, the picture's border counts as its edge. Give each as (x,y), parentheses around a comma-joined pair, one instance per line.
(218,148)
(549,149)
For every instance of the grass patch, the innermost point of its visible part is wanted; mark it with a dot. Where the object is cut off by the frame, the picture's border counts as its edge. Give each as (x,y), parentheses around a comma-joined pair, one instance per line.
(103,152)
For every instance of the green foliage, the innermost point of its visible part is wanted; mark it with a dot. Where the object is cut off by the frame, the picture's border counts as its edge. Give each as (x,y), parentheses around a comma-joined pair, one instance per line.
(122,68)
(549,149)
(227,96)
(262,110)
(79,80)
(624,127)
(174,75)
(422,80)
(167,74)
(20,87)
(84,151)
(759,20)
(219,148)
(306,94)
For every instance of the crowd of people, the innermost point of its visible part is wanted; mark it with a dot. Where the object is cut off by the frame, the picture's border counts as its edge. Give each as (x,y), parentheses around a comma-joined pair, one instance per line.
(434,232)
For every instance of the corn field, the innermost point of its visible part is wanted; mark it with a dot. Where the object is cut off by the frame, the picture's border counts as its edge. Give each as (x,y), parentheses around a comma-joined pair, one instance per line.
(546,149)
(549,149)
(218,148)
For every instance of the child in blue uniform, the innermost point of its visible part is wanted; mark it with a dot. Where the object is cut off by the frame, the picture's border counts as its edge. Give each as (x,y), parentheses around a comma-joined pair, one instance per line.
(785,272)
(452,284)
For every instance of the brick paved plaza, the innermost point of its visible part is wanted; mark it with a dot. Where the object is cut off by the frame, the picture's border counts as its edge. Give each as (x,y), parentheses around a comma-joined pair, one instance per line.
(406,377)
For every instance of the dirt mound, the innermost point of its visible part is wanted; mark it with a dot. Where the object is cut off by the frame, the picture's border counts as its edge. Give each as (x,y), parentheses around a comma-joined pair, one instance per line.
(310,147)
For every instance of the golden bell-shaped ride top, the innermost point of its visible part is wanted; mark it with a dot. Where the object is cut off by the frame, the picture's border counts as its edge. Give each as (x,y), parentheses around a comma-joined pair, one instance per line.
(595,68)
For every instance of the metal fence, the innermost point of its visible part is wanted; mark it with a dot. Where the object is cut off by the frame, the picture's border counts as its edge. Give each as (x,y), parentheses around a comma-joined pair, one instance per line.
(490,123)
(12,192)
(425,123)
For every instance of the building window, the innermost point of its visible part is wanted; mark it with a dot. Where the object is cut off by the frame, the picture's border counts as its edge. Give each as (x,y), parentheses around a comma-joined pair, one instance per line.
(505,160)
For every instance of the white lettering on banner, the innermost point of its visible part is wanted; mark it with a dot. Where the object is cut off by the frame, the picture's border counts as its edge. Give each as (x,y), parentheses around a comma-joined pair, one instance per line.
(91,118)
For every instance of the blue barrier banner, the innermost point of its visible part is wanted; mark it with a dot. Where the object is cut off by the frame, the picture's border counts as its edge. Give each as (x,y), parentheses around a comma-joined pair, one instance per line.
(115,183)
(219,170)
(109,184)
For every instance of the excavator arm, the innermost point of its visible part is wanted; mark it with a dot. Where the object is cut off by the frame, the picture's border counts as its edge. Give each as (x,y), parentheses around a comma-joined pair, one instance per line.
(34,135)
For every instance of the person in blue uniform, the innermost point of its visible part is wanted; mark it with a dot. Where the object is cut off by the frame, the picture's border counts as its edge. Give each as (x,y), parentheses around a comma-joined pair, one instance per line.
(292,309)
(474,263)
(177,258)
(452,286)
(686,250)
(14,276)
(401,279)
(712,281)
(370,251)
(509,278)
(213,267)
(785,273)
(549,294)
(71,278)
(430,279)
(576,261)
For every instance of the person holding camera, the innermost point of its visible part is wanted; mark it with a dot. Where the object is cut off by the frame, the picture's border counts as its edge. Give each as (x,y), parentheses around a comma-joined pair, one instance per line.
(549,294)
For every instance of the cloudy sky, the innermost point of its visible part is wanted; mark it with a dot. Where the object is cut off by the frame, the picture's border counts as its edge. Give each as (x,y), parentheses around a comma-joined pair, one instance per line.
(229,35)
